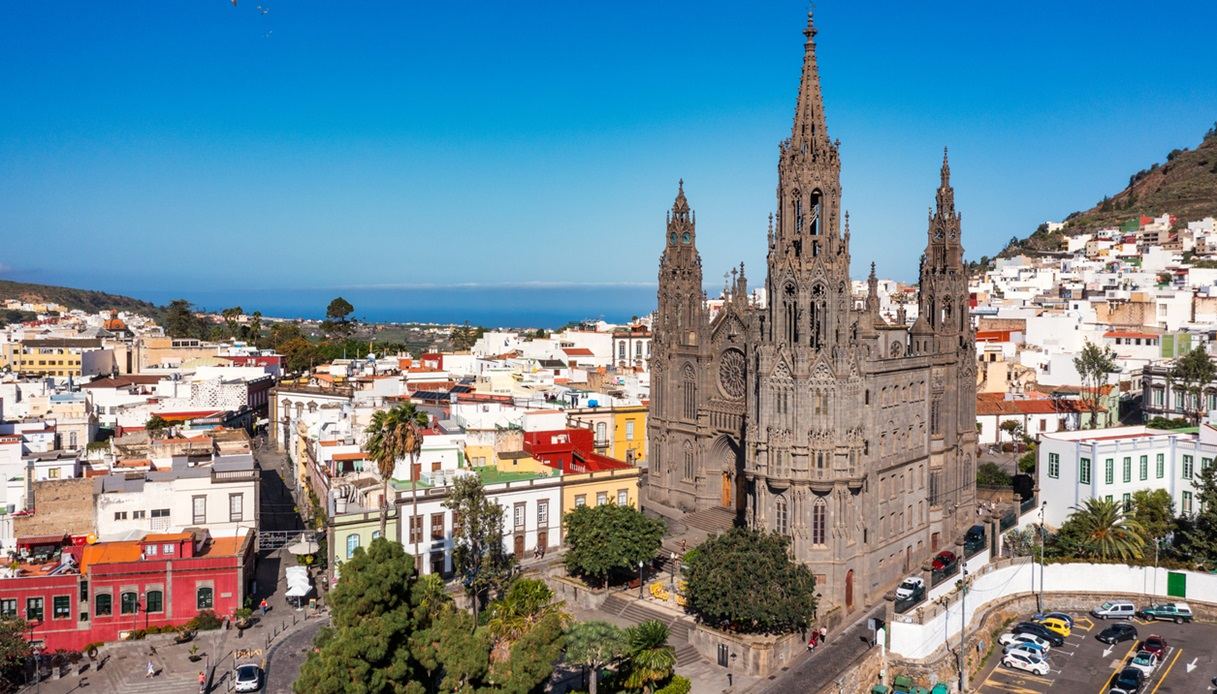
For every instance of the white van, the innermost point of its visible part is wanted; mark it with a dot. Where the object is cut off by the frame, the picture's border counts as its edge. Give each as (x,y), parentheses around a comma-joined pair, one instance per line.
(1115,609)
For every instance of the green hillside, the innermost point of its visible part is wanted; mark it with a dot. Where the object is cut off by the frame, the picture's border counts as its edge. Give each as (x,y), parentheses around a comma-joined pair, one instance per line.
(83,299)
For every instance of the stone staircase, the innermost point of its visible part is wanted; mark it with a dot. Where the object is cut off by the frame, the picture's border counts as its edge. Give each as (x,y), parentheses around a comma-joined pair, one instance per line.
(636,611)
(710,520)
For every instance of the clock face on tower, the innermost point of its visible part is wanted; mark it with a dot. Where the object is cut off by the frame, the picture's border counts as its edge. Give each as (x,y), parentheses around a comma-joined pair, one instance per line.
(731,374)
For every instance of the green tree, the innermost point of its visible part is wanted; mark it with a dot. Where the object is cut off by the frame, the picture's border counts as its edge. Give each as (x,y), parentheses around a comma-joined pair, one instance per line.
(1026,462)
(531,660)
(14,650)
(1093,364)
(745,581)
(1099,529)
(1021,542)
(478,556)
(1154,511)
(394,434)
(1196,539)
(373,610)
(1012,427)
(156,426)
(231,315)
(454,651)
(607,542)
(299,354)
(181,321)
(282,332)
(464,336)
(595,645)
(338,321)
(1192,374)
(651,660)
(254,329)
(991,475)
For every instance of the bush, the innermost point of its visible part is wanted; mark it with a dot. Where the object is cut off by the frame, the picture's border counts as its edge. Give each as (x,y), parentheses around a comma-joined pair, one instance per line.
(991,475)
(205,621)
(676,685)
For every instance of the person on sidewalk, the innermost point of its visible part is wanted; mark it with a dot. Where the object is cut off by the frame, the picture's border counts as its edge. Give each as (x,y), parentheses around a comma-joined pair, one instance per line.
(264,606)
(824,634)
(813,641)
(151,670)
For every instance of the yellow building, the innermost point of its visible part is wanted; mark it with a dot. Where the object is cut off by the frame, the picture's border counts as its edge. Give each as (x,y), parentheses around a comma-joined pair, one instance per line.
(630,433)
(598,488)
(61,357)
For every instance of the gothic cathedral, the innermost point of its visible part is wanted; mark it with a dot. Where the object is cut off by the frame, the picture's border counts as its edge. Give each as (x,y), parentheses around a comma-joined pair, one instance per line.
(811,415)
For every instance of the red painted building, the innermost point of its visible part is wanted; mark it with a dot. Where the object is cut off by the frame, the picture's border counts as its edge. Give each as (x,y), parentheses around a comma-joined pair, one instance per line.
(570,450)
(90,593)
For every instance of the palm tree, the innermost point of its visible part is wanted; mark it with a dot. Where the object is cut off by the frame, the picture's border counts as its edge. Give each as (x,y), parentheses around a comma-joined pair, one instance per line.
(527,602)
(652,660)
(1104,532)
(394,434)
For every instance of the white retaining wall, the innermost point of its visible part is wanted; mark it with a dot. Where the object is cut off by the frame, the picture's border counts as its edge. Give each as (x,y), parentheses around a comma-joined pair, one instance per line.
(916,641)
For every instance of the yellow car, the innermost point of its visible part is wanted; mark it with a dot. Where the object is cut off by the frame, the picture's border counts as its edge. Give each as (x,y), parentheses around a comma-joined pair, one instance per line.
(1057,625)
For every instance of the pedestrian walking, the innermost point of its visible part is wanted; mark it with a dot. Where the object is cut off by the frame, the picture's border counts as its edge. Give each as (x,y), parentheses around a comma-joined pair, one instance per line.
(202,681)
(824,634)
(264,606)
(151,670)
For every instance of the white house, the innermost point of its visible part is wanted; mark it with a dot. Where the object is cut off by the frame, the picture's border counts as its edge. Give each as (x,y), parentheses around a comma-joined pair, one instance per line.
(1115,463)
(222,497)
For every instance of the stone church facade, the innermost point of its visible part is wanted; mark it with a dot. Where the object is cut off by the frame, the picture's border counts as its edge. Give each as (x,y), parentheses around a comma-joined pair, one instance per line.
(810,415)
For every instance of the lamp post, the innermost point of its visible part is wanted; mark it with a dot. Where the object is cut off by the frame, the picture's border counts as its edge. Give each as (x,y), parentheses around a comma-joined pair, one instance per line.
(731,672)
(672,579)
(1039,597)
(640,579)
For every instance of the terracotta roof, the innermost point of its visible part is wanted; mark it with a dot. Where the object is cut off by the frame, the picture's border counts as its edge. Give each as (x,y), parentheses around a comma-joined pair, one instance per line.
(228,546)
(357,455)
(1027,407)
(109,553)
(167,537)
(123,381)
(578,352)
(1130,333)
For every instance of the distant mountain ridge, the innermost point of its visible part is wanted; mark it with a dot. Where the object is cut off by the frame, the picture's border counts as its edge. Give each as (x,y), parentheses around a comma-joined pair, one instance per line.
(1185,185)
(83,299)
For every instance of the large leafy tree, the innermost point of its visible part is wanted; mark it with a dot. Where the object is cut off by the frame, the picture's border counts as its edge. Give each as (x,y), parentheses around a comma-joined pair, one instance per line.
(745,581)
(1093,364)
(992,475)
(298,354)
(14,651)
(478,555)
(464,336)
(1196,539)
(338,321)
(652,660)
(607,542)
(394,434)
(1100,529)
(181,321)
(595,645)
(1192,374)
(1154,511)
(374,613)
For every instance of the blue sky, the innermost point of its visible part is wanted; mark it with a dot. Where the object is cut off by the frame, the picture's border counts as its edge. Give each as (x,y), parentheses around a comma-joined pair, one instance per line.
(195,145)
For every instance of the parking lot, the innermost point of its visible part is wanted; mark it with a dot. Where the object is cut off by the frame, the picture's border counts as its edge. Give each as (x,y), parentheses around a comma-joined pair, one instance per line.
(1084,664)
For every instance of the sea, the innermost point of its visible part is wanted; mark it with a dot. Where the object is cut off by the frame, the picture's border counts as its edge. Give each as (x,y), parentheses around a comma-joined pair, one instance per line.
(508,307)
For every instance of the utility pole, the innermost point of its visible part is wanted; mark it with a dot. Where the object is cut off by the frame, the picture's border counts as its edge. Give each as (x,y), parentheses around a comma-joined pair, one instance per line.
(963,628)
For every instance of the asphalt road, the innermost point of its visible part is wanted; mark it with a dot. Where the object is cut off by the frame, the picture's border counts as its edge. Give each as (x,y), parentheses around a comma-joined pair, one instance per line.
(287,655)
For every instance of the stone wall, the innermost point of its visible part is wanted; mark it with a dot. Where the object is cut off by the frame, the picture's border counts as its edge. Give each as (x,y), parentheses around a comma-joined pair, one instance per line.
(859,676)
(60,506)
(575,592)
(757,656)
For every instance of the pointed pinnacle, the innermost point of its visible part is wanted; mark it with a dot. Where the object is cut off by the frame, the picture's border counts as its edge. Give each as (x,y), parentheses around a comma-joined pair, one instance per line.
(680,184)
(872,268)
(946,166)
(810,31)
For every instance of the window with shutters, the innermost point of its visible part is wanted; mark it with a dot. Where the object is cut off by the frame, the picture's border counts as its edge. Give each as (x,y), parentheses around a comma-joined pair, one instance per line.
(1188,465)
(1160,465)
(1109,471)
(1127,469)
(236,508)
(1144,467)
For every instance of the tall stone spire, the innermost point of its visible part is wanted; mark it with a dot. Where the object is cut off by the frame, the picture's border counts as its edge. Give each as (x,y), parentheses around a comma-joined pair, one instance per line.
(680,311)
(810,127)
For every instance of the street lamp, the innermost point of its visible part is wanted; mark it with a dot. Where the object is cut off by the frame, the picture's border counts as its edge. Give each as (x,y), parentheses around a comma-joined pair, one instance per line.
(672,580)
(639,579)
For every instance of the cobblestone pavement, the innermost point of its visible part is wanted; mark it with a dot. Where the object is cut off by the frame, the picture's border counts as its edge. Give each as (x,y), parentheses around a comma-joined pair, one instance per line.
(287,655)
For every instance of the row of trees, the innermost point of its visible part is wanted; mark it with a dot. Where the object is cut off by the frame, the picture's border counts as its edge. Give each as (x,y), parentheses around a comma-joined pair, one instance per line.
(394,631)
(1103,530)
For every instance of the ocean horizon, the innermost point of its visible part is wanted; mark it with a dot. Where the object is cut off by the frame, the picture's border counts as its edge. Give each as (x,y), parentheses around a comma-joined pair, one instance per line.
(488,306)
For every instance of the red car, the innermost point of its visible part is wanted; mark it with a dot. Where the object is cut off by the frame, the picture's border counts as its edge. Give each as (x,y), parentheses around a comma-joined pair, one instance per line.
(1154,644)
(944,560)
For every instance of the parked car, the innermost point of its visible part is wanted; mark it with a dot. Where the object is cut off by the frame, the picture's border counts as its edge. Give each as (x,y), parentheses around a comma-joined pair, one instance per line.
(1027,663)
(1028,649)
(247,678)
(1115,609)
(944,560)
(1129,681)
(1013,639)
(910,588)
(1177,612)
(1145,661)
(1041,631)
(1059,615)
(1117,633)
(1056,624)
(974,539)
(1154,644)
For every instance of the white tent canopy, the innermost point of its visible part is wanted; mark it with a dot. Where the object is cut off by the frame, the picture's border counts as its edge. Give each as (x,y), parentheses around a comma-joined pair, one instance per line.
(298,583)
